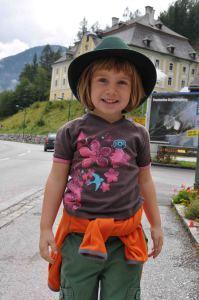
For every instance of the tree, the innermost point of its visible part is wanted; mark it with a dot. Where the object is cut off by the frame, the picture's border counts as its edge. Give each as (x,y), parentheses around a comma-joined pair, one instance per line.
(25,93)
(42,85)
(129,15)
(29,72)
(82,29)
(182,17)
(95,27)
(47,58)
(7,104)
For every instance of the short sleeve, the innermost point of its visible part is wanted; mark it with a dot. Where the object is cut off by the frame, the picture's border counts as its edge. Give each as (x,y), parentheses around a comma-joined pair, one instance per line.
(144,156)
(63,146)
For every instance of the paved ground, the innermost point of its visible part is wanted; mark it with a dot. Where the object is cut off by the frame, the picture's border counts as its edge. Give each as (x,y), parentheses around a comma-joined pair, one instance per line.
(174,275)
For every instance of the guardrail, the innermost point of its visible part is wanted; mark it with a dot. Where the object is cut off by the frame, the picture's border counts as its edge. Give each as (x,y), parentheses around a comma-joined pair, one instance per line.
(26,138)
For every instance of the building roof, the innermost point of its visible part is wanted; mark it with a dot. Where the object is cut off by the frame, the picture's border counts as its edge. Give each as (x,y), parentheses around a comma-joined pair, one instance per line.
(143,32)
(135,32)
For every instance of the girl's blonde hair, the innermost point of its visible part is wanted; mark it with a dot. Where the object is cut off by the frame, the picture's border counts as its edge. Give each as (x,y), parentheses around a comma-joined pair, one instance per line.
(118,64)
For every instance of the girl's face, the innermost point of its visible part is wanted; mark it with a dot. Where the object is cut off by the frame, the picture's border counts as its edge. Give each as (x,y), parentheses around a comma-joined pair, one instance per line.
(110,93)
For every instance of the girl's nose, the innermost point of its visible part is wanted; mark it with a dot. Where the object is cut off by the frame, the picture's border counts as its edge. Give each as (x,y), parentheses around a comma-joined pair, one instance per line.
(111,89)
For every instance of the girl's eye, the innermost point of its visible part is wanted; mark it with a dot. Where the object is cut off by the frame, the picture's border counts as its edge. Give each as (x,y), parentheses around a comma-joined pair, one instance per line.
(103,80)
(123,82)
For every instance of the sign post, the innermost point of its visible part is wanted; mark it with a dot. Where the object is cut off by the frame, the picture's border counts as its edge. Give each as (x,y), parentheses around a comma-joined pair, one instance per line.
(196,183)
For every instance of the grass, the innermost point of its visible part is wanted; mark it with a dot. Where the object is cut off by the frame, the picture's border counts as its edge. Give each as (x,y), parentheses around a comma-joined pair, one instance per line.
(181,163)
(44,117)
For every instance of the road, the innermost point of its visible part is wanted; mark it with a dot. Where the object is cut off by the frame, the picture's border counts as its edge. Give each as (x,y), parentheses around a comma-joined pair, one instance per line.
(23,168)
(173,275)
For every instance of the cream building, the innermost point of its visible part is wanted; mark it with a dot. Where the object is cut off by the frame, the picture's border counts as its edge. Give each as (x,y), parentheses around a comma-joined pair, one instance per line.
(176,61)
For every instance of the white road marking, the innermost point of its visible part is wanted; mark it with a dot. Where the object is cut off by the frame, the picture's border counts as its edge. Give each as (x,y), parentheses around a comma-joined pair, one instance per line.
(22,154)
(6,158)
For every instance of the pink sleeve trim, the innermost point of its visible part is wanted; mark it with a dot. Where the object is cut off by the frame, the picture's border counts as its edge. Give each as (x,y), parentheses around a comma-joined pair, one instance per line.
(145,167)
(60,160)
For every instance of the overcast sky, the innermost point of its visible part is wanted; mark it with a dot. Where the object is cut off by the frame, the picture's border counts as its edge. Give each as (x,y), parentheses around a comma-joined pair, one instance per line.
(29,23)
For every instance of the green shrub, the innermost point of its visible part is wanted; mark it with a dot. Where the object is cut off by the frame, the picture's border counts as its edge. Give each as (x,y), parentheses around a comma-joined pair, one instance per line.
(192,211)
(61,105)
(35,105)
(40,122)
(182,196)
(190,199)
(48,107)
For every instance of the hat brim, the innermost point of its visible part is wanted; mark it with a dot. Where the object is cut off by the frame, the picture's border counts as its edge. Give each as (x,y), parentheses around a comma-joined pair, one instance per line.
(143,65)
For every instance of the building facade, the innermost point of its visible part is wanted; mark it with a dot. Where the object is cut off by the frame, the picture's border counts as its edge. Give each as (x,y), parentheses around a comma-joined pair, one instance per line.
(176,61)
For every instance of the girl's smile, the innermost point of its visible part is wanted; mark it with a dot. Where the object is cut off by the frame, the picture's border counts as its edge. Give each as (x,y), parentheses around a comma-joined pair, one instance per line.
(110,93)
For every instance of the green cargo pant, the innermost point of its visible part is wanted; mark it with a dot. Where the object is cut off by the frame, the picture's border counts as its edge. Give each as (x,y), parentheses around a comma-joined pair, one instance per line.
(80,276)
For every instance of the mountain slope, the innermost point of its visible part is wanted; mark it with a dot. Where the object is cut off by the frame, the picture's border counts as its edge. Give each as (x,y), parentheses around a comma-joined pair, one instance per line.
(11,66)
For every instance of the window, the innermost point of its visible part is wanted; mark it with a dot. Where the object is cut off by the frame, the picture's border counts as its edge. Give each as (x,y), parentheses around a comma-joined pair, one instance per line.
(57,71)
(171,48)
(182,83)
(147,41)
(55,96)
(87,38)
(169,81)
(65,69)
(157,63)
(62,95)
(193,71)
(64,81)
(171,66)
(56,82)
(184,69)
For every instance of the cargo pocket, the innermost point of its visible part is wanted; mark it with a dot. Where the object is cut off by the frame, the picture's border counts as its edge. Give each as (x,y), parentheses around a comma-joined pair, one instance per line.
(133,293)
(66,294)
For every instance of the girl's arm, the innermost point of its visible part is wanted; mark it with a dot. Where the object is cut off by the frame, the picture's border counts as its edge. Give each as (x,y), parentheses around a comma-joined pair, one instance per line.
(147,189)
(55,186)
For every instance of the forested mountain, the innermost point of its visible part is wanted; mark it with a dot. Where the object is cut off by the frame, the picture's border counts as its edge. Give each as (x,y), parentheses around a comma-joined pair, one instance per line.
(12,66)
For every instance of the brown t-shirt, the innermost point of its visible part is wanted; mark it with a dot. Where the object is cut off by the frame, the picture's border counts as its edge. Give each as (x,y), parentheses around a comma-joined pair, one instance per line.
(105,160)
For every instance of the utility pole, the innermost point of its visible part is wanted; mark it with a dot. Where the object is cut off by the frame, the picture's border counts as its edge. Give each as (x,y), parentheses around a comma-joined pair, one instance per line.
(194,87)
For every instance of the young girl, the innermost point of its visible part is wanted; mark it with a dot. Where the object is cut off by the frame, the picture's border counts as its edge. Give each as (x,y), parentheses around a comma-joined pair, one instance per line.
(101,170)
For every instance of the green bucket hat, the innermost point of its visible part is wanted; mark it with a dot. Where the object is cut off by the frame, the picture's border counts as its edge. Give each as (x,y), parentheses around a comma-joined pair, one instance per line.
(114,47)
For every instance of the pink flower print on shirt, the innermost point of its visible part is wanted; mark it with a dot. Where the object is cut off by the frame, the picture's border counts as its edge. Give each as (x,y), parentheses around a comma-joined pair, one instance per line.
(95,154)
(81,140)
(105,187)
(70,201)
(112,175)
(75,189)
(87,175)
(119,158)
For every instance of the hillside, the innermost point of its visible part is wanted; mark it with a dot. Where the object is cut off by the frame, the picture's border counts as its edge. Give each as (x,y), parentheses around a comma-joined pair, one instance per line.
(11,66)
(44,117)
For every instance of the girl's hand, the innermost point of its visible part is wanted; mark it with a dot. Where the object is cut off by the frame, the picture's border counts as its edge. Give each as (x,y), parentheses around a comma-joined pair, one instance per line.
(157,237)
(47,240)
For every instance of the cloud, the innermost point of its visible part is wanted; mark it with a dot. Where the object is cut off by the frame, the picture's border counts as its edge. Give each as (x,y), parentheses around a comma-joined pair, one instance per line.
(11,48)
(38,22)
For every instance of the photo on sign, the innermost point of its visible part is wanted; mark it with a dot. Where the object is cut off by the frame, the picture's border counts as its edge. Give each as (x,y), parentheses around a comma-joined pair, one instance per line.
(171,121)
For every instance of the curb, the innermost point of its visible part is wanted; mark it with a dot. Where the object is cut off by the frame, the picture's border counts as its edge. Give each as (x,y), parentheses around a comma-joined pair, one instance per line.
(193,231)
(171,166)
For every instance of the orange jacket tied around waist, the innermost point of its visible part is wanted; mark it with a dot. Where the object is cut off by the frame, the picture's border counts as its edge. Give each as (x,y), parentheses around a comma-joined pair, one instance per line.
(96,232)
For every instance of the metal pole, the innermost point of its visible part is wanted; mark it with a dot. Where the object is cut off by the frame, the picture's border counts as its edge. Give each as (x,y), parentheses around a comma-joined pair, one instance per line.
(69,110)
(196,183)
(24,122)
